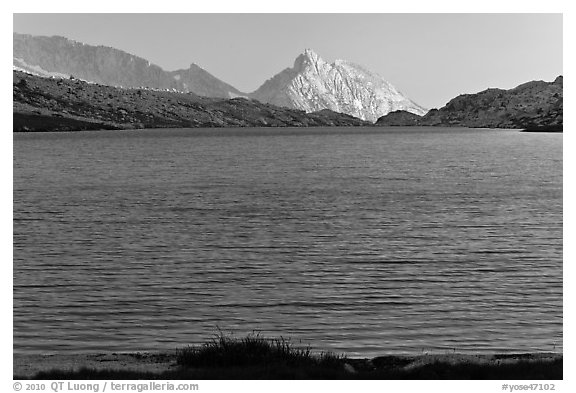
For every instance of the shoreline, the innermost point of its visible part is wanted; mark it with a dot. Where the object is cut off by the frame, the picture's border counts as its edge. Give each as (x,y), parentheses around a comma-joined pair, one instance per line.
(163,364)
(54,105)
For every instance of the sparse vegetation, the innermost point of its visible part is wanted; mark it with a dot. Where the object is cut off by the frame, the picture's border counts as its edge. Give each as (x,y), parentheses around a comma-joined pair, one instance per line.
(254,350)
(258,357)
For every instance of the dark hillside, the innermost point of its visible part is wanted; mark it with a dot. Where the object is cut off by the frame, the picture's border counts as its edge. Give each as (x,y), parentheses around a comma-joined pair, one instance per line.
(533,106)
(50,104)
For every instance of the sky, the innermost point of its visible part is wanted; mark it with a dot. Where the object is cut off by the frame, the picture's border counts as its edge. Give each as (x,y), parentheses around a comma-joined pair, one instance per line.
(431,58)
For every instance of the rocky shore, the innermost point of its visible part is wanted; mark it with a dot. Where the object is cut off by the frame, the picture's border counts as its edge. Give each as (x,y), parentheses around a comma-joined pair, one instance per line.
(532,106)
(164,365)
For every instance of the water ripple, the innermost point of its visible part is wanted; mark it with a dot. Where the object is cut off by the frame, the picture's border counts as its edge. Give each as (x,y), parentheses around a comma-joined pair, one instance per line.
(367,243)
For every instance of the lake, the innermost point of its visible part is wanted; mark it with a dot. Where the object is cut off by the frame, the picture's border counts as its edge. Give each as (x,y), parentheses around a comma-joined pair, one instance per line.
(367,241)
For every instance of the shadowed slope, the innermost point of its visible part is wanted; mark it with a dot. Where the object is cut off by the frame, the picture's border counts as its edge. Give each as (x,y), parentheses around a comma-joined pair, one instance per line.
(533,106)
(46,104)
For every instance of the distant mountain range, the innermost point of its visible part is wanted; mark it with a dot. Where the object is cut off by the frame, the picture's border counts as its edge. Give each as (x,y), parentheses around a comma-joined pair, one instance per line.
(340,93)
(62,57)
(535,105)
(310,85)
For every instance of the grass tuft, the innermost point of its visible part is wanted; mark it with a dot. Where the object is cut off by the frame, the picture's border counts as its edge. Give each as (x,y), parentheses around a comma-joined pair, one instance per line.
(254,350)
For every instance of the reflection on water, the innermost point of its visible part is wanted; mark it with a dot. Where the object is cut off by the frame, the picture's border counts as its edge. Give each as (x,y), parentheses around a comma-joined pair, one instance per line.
(353,241)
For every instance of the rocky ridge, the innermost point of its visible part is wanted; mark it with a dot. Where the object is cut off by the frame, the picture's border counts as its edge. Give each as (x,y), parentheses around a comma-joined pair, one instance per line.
(55,104)
(535,105)
(313,84)
(62,57)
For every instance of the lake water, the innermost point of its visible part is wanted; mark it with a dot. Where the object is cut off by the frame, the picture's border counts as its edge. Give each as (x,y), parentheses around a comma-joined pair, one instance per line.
(365,241)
